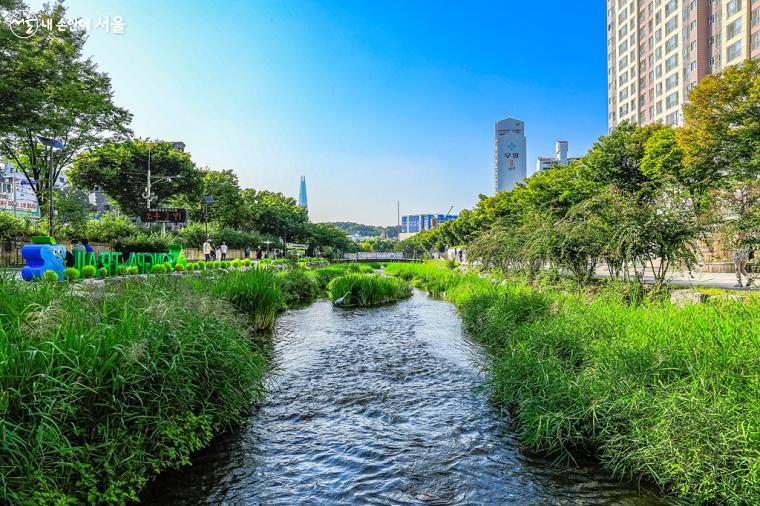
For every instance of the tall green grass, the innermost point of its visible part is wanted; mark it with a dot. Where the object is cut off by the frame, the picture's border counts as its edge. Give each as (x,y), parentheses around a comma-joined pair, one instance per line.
(99,393)
(298,285)
(255,292)
(368,289)
(667,394)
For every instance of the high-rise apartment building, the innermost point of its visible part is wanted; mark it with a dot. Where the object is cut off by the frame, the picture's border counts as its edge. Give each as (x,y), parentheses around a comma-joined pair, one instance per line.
(658,50)
(510,161)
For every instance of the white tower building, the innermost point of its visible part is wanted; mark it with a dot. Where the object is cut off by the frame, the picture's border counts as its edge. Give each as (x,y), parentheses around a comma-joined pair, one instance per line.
(510,154)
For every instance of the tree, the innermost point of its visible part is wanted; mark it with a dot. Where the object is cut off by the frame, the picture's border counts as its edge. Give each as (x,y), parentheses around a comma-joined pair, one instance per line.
(616,158)
(48,88)
(275,214)
(721,139)
(121,169)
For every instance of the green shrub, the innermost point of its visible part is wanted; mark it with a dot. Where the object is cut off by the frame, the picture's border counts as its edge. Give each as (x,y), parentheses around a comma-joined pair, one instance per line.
(179,268)
(89,271)
(246,262)
(158,269)
(368,289)
(224,264)
(235,264)
(50,277)
(298,285)
(132,270)
(168,267)
(254,292)
(102,272)
(121,270)
(71,274)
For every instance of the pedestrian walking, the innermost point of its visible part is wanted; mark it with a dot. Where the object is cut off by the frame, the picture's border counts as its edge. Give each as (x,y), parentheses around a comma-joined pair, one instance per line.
(86,244)
(207,249)
(259,253)
(247,251)
(223,250)
(213,252)
(742,254)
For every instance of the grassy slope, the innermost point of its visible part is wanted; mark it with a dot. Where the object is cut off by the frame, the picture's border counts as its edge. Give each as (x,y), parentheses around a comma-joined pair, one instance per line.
(669,394)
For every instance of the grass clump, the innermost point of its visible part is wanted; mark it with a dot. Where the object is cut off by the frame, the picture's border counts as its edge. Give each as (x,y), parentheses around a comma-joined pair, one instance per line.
(368,289)
(655,391)
(256,292)
(96,397)
(298,285)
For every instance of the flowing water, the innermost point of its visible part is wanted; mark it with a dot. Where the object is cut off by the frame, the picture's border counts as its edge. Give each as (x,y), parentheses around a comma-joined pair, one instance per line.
(379,406)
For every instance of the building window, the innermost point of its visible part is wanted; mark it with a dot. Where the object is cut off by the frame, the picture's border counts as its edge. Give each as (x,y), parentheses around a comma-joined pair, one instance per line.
(734,51)
(732,7)
(755,41)
(671,25)
(671,101)
(670,45)
(734,29)
(671,63)
(671,82)
(756,16)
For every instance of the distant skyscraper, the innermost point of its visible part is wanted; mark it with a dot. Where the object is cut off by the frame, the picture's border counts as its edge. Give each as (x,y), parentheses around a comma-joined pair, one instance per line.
(510,161)
(302,201)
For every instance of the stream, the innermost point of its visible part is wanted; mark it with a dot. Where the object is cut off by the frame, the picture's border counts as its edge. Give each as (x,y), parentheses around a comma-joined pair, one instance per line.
(379,406)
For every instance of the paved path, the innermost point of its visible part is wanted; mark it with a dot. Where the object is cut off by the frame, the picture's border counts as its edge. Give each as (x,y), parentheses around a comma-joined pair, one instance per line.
(724,280)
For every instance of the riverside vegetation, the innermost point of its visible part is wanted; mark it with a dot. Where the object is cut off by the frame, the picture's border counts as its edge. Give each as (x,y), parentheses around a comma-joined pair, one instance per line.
(100,391)
(654,391)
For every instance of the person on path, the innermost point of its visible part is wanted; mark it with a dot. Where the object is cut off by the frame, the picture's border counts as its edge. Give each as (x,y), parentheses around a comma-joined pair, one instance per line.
(741,260)
(86,244)
(213,252)
(223,250)
(207,249)
(259,253)
(247,251)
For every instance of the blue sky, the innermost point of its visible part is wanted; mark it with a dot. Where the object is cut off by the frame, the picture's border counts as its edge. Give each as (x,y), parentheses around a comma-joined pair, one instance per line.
(373,101)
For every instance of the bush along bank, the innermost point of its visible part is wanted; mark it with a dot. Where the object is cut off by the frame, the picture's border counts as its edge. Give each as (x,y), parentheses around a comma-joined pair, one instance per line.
(101,390)
(654,391)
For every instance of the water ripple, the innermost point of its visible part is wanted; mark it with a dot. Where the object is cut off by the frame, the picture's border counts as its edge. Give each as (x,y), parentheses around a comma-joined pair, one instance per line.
(378,406)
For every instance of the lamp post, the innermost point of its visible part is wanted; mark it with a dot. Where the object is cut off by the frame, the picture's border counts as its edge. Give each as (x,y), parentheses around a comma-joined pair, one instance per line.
(51,144)
(207,199)
(148,194)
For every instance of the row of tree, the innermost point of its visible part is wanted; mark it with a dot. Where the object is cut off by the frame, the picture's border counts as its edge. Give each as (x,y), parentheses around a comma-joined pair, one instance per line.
(640,197)
(49,89)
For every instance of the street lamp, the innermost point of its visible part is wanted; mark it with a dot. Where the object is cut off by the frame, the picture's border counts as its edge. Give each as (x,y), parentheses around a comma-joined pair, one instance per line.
(51,144)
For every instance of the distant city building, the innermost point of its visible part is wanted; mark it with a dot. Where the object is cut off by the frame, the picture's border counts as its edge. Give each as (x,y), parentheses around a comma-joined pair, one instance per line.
(657,52)
(16,193)
(415,223)
(560,158)
(302,200)
(98,200)
(510,147)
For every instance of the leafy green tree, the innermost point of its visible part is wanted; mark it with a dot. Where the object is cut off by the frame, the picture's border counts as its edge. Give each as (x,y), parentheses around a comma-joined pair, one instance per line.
(48,88)
(121,169)
(721,139)
(275,214)
(73,209)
